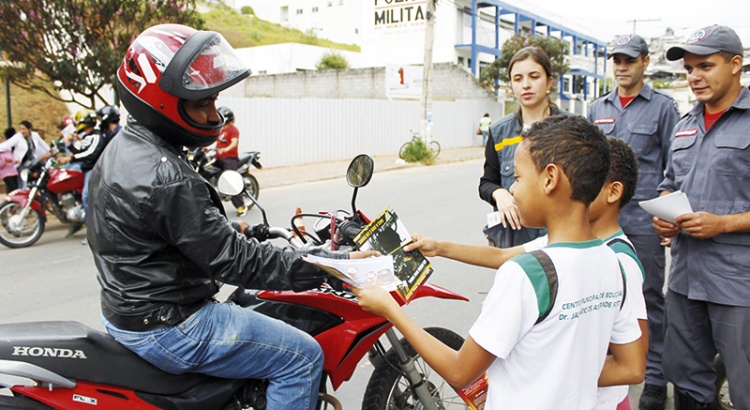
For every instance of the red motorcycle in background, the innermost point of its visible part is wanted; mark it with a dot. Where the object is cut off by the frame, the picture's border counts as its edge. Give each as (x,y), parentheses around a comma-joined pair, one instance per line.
(23,213)
(67,365)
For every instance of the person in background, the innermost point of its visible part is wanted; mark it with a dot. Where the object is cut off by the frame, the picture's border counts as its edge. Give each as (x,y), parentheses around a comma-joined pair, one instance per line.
(109,125)
(530,72)
(535,361)
(27,146)
(644,118)
(708,301)
(227,152)
(87,152)
(484,127)
(8,171)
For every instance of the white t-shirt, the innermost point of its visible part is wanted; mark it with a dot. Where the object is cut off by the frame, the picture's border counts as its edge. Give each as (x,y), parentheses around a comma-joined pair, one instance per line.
(610,397)
(555,363)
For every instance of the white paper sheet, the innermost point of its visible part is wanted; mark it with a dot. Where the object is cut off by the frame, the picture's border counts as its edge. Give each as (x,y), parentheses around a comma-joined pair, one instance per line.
(668,207)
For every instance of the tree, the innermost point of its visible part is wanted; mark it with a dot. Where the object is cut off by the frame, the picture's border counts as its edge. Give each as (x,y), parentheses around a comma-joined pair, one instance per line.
(556,49)
(247,10)
(332,60)
(78,44)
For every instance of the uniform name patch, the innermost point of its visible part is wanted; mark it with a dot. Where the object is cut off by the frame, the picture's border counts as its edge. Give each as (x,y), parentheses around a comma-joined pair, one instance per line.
(604,121)
(686,133)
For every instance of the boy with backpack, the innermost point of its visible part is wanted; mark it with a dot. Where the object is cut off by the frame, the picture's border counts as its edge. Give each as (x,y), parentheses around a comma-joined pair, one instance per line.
(542,352)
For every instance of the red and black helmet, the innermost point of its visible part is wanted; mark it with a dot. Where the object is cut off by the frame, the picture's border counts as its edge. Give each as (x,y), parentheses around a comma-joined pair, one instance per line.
(169,63)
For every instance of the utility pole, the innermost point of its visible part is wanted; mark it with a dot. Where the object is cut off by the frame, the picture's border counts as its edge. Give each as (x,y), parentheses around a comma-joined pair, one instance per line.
(425,125)
(634,21)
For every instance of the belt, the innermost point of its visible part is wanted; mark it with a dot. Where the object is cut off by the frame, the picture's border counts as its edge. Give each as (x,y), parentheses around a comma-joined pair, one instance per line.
(150,321)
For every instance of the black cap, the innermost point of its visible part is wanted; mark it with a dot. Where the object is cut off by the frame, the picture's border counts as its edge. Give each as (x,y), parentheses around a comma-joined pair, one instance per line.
(708,40)
(632,46)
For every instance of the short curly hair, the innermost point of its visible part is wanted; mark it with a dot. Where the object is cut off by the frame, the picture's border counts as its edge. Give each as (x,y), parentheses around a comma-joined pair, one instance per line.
(575,145)
(623,167)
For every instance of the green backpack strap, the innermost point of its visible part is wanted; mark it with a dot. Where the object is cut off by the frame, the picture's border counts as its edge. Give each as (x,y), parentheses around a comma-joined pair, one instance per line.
(541,272)
(620,245)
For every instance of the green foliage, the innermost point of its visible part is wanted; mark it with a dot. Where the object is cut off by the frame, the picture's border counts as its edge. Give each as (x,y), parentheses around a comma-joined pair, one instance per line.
(556,49)
(78,44)
(247,10)
(332,60)
(416,151)
(249,31)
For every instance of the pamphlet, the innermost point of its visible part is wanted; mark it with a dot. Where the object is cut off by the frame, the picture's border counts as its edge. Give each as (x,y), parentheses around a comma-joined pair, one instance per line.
(475,394)
(388,235)
(668,207)
(359,272)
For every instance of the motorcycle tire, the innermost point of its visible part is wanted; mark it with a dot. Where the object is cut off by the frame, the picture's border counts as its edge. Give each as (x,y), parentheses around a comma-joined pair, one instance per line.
(21,403)
(14,238)
(723,401)
(252,187)
(388,389)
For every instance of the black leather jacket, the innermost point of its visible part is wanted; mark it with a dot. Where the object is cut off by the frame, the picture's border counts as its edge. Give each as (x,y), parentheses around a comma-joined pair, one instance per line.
(161,240)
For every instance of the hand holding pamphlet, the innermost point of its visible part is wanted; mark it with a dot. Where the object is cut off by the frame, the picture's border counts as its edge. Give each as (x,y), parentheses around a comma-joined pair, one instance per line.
(393,270)
(668,207)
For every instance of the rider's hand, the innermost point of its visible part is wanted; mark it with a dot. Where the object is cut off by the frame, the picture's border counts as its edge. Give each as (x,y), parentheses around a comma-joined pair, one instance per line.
(507,208)
(64,159)
(363,254)
(376,300)
(425,244)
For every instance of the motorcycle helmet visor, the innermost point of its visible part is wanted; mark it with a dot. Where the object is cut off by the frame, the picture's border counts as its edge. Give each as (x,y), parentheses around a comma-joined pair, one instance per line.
(206,64)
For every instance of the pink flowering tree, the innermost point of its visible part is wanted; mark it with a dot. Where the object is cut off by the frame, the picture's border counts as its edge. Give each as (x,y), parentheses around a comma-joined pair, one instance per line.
(556,49)
(77,45)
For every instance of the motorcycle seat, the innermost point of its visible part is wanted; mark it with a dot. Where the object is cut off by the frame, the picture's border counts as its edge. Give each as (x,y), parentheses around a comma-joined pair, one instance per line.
(78,352)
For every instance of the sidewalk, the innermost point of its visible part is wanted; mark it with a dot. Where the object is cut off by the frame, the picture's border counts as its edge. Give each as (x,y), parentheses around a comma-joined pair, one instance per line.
(280,176)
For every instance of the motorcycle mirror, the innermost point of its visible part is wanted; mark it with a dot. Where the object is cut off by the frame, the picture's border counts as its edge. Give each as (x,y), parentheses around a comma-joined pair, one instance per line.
(360,171)
(231,183)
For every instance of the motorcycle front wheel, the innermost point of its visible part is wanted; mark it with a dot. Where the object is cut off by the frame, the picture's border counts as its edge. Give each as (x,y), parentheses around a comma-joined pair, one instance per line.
(17,232)
(388,389)
(252,187)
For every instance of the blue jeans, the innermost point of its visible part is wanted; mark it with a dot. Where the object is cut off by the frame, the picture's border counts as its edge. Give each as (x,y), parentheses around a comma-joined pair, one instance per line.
(85,193)
(229,341)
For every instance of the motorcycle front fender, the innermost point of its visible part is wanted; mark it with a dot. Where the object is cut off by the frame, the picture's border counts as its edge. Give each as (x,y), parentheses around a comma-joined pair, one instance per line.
(21,197)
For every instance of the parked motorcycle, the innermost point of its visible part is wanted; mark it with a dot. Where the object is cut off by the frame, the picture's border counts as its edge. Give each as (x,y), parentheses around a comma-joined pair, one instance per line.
(204,162)
(23,214)
(67,365)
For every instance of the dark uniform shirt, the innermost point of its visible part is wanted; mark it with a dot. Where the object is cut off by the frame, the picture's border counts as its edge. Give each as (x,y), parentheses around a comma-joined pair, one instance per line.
(646,124)
(713,169)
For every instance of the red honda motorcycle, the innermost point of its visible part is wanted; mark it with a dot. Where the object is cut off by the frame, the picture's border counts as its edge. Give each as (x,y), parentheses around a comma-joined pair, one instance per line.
(23,214)
(66,365)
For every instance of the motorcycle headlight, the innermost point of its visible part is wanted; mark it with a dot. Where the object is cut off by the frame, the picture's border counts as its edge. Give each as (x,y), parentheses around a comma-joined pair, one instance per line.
(25,175)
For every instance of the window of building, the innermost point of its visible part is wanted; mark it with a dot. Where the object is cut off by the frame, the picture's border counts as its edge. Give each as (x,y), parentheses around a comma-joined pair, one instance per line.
(299,11)
(315,9)
(330,3)
(341,2)
(356,31)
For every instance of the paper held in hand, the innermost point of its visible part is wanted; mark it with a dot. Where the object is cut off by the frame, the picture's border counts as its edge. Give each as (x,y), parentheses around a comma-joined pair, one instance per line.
(668,207)
(360,272)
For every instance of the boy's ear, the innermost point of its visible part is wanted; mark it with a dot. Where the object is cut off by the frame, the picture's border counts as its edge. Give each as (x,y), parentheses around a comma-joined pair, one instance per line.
(615,192)
(551,177)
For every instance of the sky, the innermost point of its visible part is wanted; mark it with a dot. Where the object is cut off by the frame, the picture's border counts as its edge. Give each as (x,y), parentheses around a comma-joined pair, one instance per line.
(604,19)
